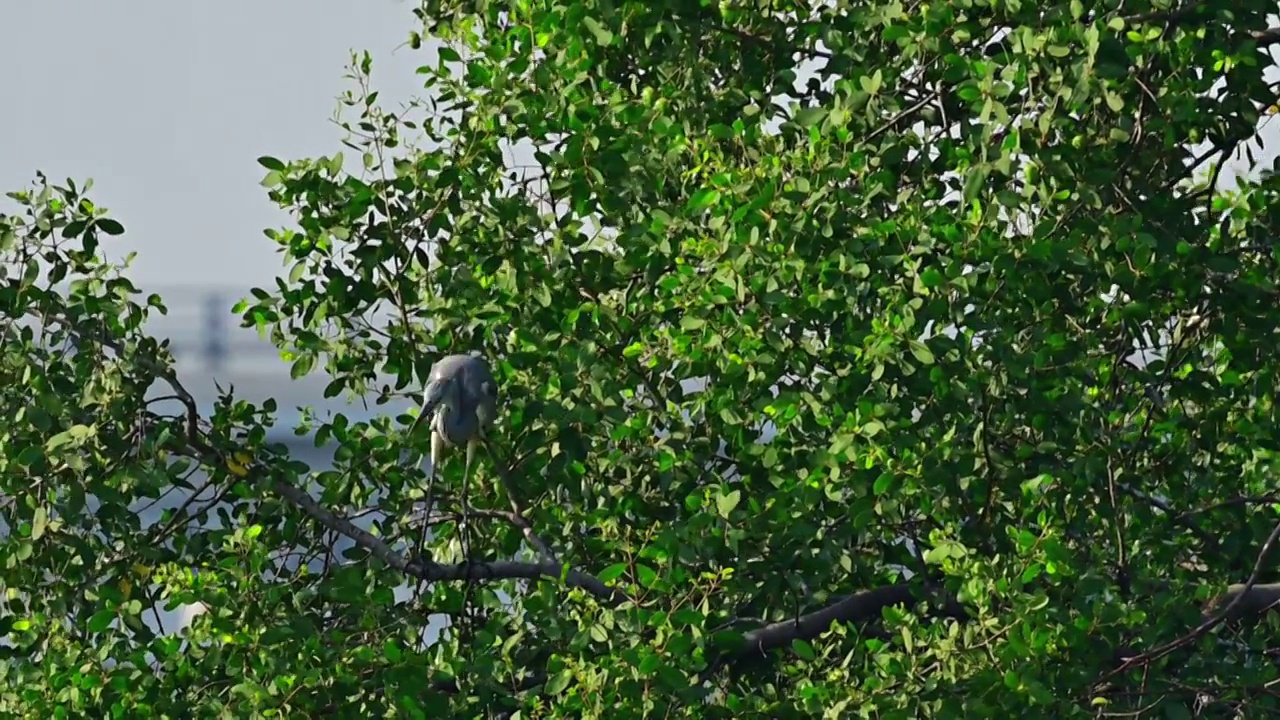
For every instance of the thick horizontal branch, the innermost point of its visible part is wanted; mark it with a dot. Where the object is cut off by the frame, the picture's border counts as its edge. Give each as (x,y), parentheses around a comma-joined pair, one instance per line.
(1243,599)
(1253,600)
(858,607)
(434,572)
(1266,38)
(1240,600)
(1220,610)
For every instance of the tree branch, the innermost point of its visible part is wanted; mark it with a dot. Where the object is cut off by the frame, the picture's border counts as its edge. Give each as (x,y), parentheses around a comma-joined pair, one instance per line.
(517,517)
(858,607)
(1246,599)
(1237,595)
(434,572)
(1265,38)
(1199,11)
(1240,599)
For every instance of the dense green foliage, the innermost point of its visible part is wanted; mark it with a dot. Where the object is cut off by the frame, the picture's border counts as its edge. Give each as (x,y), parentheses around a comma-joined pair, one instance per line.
(924,272)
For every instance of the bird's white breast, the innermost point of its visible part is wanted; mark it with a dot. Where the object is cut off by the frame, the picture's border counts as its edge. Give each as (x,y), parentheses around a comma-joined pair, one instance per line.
(439,423)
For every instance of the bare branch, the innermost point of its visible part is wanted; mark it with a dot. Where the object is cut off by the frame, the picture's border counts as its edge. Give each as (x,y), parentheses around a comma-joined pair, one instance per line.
(1266,38)
(519,521)
(861,606)
(433,572)
(1242,500)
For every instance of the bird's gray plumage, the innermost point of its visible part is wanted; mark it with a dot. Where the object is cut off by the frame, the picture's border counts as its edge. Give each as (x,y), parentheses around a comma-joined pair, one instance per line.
(460,405)
(460,399)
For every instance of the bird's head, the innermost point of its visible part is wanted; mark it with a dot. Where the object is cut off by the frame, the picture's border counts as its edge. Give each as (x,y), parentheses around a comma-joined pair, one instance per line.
(433,395)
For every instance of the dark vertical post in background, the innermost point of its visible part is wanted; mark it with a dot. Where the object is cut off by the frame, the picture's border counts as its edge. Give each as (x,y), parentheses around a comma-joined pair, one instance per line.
(215,334)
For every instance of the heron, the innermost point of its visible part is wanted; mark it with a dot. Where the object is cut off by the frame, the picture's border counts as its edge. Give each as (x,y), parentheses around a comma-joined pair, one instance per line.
(460,405)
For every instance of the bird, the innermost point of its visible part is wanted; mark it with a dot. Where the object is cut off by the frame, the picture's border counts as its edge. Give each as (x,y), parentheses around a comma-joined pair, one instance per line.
(460,405)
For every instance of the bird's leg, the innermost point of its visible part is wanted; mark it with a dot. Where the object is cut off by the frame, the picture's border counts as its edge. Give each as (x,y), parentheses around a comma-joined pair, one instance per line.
(437,457)
(426,513)
(465,528)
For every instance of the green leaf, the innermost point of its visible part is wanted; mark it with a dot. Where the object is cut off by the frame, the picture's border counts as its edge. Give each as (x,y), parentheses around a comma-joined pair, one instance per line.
(807,117)
(921,352)
(646,575)
(804,650)
(611,573)
(109,226)
(650,664)
(334,163)
(101,620)
(557,683)
(703,199)
(302,366)
(39,521)
(870,84)
(391,651)
(893,33)
(931,278)
(726,502)
(74,435)
(689,322)
(602,34)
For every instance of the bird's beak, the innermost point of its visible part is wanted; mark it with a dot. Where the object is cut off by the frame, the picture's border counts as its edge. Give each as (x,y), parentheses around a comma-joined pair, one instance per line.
(413,428)
(431,396)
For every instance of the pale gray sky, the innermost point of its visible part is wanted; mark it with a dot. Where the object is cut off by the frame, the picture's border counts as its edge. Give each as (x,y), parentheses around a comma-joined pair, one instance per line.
(166,105)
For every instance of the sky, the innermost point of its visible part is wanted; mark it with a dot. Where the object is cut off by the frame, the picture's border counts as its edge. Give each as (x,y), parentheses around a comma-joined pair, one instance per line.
(167,105)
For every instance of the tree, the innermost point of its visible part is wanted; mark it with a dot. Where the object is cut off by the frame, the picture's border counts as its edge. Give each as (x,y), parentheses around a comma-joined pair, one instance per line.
(945,388)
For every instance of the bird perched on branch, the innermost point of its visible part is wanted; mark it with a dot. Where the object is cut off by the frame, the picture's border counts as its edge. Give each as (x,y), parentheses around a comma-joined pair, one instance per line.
(459,404)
